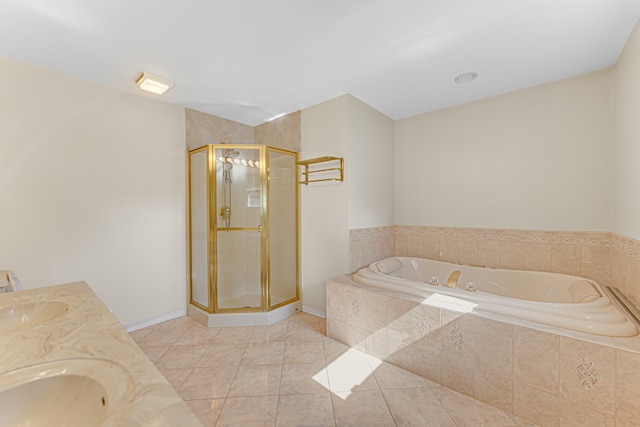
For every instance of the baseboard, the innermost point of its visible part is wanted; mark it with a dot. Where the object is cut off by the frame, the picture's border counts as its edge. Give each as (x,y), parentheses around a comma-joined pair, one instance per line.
(167,316)
(314,312)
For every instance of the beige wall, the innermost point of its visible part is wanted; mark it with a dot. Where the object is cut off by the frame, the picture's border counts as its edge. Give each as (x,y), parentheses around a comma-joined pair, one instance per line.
(625,260)
(533,159)
(92,184)
(369,173)
(324,205)
(344,127)
(370,170)
(626,146)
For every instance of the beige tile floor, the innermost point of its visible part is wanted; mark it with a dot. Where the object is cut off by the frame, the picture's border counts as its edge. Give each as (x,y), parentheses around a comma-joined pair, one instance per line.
(291,374)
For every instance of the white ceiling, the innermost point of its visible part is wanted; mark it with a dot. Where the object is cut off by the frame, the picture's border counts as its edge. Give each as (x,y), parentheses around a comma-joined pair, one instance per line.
(248,60)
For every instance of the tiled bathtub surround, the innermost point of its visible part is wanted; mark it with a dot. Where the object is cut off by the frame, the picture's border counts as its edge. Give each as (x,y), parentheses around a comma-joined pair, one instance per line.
(605,257)
(625,266)
(579,253)
(367,245)
(552,379)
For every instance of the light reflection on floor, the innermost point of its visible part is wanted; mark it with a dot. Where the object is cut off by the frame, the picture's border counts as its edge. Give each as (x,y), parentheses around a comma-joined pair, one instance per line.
(290,374)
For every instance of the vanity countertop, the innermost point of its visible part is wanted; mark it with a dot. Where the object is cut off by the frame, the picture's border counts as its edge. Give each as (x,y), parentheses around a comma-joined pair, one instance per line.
(79,325)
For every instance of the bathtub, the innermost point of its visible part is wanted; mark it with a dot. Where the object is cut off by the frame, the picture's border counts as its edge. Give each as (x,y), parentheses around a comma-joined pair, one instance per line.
(558,300)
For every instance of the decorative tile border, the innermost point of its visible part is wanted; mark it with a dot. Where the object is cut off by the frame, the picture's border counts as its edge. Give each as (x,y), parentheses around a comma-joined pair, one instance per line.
(355,307)
(587,374)
(500,235)
(627,246)
(372,233)
(424,324)
(457,337)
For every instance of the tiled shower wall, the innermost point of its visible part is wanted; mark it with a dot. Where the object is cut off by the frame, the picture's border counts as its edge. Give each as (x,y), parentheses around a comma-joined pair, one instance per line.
(281,133)
(607,258)
(203,129)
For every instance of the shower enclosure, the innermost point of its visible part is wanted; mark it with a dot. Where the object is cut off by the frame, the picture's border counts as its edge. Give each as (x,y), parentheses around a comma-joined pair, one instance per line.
(243,230)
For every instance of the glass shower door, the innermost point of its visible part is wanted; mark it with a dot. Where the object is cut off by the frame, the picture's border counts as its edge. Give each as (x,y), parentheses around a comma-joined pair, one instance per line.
(199,228)
(283,223)
(238,227)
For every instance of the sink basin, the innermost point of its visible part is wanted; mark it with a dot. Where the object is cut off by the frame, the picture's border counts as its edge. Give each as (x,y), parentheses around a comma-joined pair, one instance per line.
(67,392)
(30,314)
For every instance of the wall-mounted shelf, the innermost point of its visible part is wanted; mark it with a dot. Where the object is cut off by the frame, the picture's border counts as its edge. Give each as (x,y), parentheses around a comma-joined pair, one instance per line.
(327,173)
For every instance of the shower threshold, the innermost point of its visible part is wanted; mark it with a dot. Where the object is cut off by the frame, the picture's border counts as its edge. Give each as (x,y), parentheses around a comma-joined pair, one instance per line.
(243,319)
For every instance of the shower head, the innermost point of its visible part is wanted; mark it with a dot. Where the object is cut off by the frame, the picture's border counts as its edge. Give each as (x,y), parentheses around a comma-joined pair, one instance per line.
(228,153)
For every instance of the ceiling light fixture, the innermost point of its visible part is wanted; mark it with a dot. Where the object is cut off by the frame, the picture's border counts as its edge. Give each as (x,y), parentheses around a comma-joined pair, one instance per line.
(152,83)
(466,77)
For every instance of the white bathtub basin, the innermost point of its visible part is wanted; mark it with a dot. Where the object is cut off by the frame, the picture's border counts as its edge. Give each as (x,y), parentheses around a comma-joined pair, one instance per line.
(541,297)
(30,314)
(68,392)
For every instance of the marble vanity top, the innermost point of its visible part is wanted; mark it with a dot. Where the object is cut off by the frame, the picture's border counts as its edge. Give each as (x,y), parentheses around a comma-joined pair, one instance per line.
(67,323)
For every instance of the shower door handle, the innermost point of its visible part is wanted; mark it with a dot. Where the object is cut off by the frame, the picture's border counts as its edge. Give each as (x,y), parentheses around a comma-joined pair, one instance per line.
(259,229)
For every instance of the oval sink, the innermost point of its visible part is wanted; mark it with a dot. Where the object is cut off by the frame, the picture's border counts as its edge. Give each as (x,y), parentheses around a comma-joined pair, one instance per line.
(31,314)
(68,392)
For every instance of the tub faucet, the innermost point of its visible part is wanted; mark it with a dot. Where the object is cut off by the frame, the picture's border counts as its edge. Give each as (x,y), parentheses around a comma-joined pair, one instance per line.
(452,281)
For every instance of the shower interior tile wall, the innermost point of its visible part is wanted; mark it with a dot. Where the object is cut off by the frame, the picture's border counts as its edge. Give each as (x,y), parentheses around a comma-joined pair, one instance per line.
(203,129)
(542,377)
(607,258)
(282,133)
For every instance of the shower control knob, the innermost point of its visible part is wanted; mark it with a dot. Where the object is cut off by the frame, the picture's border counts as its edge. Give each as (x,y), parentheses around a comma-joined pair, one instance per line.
(225,214)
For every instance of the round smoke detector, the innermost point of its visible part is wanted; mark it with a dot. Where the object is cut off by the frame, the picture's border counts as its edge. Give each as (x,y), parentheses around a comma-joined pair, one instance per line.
(466,77)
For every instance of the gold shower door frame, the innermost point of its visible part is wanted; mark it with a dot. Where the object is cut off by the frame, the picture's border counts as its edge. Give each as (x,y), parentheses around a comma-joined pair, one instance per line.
(263,228)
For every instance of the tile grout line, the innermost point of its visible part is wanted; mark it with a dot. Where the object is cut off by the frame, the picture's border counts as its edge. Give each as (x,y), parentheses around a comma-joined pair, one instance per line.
(326,368)
(196,362)
(237,368)
(280,382)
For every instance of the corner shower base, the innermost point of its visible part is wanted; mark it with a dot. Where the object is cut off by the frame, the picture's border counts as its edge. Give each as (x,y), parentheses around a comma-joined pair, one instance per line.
(242,301)
(248,300)
(243,319)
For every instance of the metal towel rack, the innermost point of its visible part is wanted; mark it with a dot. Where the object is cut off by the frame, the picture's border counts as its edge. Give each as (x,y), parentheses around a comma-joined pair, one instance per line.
(324,172)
